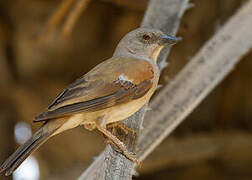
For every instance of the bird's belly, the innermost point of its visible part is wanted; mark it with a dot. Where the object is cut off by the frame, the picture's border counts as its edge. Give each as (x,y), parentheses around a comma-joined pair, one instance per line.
(72,122)
(123,111)
(118,112)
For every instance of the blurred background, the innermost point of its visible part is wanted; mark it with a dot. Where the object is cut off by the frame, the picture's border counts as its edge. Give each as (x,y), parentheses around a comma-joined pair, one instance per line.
(37,62)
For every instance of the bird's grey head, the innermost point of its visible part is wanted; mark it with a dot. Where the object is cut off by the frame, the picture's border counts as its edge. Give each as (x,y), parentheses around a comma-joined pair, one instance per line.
(145,43)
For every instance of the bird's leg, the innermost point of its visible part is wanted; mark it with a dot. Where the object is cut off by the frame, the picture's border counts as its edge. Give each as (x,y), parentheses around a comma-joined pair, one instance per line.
(117,142)
(122,126)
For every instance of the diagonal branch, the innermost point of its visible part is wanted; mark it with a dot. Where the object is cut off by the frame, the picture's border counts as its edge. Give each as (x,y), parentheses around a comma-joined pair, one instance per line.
(206,69)
(164,15)
(71,20)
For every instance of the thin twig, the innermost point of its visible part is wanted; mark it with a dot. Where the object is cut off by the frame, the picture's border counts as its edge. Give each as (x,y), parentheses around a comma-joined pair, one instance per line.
(56,18)
(71,20)
(206,69)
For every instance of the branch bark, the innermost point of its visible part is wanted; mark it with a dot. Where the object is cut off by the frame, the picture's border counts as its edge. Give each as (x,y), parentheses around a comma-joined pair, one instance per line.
(164,15)
(201,148)
(205,70)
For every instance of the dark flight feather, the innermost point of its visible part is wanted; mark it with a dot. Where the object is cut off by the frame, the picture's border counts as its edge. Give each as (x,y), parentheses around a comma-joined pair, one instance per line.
(102,87)
(122,96)
(24,151)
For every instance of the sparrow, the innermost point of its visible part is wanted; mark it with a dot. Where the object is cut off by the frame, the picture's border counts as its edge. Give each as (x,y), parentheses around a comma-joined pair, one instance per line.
(112,91)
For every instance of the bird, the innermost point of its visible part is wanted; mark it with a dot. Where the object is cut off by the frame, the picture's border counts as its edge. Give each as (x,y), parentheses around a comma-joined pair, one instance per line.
(110,92)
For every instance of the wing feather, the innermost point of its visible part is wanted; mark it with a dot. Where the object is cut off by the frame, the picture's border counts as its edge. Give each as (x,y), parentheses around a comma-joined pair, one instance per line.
(101,89)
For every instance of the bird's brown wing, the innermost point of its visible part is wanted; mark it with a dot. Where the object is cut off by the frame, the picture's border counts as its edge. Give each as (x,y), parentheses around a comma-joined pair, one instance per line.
(110,83)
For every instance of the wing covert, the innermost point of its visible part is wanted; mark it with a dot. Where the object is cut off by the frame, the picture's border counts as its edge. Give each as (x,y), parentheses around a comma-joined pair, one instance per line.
(110,83)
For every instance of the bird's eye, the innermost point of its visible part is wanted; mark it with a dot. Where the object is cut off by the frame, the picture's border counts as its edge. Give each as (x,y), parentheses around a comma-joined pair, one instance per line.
(146,37)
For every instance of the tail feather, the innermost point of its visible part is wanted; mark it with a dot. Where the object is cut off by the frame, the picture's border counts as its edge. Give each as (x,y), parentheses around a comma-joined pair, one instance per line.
(12,163)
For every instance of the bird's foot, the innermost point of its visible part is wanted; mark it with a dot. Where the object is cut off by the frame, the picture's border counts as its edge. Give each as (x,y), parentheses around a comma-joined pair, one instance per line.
(122,126)
(123,150)
(119,144)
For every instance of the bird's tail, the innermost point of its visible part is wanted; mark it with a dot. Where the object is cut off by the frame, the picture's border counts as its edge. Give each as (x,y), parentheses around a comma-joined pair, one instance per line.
(12,163)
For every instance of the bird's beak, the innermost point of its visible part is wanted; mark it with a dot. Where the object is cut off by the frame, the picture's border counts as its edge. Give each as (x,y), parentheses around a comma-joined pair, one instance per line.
(169,40)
